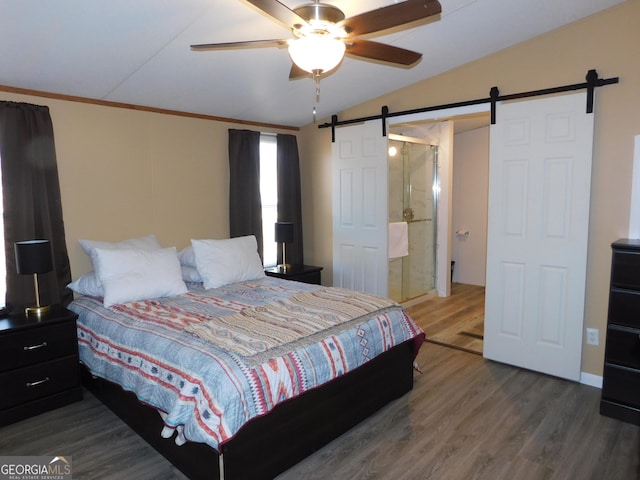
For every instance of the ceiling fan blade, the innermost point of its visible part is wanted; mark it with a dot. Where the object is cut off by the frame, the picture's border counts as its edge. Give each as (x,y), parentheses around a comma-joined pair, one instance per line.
(297,72)
(391,16)
(245,44)
(279,11)
(382,52)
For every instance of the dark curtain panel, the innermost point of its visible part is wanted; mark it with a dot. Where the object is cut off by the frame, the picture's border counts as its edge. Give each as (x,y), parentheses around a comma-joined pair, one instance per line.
(245,206)
(289,195)
(32,205)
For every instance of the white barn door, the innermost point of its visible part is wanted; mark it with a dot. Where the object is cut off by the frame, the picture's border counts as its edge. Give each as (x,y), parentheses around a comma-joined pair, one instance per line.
(539,191)
(360,204)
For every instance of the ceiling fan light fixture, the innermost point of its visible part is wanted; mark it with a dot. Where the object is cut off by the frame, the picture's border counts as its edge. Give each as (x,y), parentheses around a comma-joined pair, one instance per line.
(316,52)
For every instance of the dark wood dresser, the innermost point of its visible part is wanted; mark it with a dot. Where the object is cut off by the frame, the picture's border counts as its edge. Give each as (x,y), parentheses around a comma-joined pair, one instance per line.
(39,368)
(621,378)
(299,273)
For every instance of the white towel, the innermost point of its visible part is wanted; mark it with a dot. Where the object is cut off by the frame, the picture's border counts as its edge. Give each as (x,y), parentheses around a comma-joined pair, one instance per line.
(398,239)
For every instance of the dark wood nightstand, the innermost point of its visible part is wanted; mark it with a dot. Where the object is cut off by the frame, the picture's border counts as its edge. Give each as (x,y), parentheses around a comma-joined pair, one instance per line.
(39,368)
(299,273)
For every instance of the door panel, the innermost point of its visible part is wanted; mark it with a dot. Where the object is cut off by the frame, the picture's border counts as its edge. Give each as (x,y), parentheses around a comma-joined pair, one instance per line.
(360,208)
(539,190)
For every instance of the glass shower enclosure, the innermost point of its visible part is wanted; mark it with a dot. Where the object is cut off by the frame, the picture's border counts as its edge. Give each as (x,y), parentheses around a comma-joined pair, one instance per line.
(413,197)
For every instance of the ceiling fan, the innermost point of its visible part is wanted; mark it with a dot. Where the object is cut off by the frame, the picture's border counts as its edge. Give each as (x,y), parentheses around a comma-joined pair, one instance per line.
(323,34)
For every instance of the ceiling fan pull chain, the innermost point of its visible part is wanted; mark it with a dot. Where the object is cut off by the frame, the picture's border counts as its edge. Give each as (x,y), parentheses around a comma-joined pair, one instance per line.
(316,80)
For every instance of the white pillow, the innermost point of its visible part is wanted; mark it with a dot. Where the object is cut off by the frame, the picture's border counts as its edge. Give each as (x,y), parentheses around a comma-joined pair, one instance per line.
(89,247)
(130,275)
(144,243)
(187,257)
(87,284)
(191,274)
(221,262)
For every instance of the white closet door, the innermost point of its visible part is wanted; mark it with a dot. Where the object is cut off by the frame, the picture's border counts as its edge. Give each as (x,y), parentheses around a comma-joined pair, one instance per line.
(360,260)
(539,191)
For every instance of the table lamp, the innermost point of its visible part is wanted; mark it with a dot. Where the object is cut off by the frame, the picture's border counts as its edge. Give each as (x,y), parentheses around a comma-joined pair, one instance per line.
(284,235)
(34,257)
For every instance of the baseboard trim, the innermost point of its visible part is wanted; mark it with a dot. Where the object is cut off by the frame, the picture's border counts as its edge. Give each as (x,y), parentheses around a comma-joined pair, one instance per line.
(591,379)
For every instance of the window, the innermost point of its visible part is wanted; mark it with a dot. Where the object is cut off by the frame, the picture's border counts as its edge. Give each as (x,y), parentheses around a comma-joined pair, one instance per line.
(269,196)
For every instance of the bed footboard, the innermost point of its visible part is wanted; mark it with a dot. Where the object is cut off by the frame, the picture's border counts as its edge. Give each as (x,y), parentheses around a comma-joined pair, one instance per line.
(269,445)
(195,460)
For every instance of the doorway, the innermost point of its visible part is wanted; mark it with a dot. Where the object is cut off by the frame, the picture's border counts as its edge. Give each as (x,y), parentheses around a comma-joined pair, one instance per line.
(457,320)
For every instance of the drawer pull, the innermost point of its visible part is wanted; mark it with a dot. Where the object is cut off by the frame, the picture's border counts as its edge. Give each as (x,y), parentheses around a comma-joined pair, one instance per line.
(34,347)
(39,382)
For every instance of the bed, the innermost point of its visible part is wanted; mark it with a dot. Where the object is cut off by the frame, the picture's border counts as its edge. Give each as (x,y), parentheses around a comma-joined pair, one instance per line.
(244,379)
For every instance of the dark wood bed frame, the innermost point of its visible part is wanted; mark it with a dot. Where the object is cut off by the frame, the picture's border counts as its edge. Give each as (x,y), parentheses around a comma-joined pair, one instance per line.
(269,445)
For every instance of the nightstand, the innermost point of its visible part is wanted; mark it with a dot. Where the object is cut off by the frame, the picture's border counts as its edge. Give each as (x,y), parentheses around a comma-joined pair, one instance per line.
(39,368)
(299,273)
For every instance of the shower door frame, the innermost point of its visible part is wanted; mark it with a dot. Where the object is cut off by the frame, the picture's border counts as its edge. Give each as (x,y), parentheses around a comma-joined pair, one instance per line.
(434,212)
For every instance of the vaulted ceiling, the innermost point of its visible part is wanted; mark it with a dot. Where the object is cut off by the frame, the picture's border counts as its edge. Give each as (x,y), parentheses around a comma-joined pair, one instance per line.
(137,52)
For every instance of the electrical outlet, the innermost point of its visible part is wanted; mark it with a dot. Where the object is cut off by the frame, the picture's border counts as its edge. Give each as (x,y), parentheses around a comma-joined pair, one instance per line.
(593,336)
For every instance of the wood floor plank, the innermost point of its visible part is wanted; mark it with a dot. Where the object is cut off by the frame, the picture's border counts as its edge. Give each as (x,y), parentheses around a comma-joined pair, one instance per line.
(456,321)
(471,418)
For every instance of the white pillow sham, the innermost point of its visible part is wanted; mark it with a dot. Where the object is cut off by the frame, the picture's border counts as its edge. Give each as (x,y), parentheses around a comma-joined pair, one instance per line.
(232,260)
(191,274)
(130,275)
(187,257)
(150,242)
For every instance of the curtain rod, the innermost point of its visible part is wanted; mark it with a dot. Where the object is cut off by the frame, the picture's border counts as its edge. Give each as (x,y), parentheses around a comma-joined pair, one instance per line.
(592,81)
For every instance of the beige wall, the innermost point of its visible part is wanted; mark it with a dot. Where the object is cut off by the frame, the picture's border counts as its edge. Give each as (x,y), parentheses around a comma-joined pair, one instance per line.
(608,42)
(127,173)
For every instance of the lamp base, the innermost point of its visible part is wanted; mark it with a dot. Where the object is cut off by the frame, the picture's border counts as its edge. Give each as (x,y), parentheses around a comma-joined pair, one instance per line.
(37,312)
(284,267)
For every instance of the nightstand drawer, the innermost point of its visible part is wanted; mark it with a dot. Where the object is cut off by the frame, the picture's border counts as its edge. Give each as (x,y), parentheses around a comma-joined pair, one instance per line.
(34,345)
(624,307)
(309,277)
(623,347)
(37,381)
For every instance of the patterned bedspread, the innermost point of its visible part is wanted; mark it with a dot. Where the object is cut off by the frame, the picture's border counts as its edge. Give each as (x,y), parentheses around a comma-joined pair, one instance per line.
(211,360)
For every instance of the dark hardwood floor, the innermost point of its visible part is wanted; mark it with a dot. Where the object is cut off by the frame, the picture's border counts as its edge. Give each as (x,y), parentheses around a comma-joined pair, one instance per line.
(466,418)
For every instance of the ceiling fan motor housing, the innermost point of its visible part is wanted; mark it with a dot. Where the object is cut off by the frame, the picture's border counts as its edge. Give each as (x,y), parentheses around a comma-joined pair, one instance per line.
(319,14)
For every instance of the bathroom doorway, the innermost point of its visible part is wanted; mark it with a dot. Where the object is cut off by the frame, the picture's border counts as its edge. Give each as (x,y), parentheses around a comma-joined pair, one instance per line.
(413,198)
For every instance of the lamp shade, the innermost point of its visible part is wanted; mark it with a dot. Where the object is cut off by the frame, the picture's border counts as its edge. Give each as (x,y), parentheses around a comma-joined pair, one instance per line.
(316,52)
(33,256)
(284,232)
